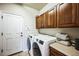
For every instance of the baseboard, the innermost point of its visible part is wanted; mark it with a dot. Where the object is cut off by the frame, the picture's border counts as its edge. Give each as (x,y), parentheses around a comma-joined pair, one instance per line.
(15,53)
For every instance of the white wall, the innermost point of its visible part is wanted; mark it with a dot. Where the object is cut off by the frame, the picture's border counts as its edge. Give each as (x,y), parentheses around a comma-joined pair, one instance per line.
(27,13)
(32,13)
(74,32)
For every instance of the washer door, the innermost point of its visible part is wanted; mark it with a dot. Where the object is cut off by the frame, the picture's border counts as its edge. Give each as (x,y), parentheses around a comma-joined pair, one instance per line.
(36,50)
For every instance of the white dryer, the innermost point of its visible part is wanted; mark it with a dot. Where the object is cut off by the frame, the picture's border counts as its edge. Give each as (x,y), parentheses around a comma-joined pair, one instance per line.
(29,43)
(40,45)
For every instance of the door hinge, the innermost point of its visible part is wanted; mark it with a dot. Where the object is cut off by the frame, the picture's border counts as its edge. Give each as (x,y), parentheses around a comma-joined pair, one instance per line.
(2,17)
(1,50)
(1,34)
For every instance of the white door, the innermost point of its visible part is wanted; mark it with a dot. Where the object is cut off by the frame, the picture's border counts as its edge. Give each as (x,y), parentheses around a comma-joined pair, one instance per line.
(12,34)
(0,35)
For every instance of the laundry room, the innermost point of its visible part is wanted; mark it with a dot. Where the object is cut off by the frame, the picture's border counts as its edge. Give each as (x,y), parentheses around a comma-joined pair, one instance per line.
(39,29)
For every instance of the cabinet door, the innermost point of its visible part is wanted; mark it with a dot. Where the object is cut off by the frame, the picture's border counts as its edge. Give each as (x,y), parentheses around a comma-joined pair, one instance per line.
(52,18)
(66,15)
(46,20)
(77,21)
(54,52)
(42,21)
(38,22)
(13,33)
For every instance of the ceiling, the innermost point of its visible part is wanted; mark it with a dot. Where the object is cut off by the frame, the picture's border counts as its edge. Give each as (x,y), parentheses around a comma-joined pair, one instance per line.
(37,6)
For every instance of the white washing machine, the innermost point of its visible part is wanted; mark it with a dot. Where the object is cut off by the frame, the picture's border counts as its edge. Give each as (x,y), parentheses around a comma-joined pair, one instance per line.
(40,45)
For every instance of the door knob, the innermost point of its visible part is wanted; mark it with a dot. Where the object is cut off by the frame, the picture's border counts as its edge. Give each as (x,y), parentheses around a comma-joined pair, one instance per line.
(21,35)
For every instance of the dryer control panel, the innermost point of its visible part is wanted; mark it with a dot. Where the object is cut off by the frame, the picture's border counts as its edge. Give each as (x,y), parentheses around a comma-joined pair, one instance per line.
(40,41)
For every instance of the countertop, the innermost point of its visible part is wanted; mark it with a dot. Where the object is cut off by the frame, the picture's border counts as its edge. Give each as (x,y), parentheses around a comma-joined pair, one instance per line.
(67,50)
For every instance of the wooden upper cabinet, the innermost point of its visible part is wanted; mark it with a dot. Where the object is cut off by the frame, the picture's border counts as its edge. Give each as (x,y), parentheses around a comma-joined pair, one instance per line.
(66,15)
(52,16)
(77,20)
(38,22)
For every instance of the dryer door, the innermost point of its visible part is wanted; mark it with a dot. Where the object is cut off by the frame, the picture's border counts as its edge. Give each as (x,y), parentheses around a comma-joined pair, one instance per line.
(28,44)
(36,50)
